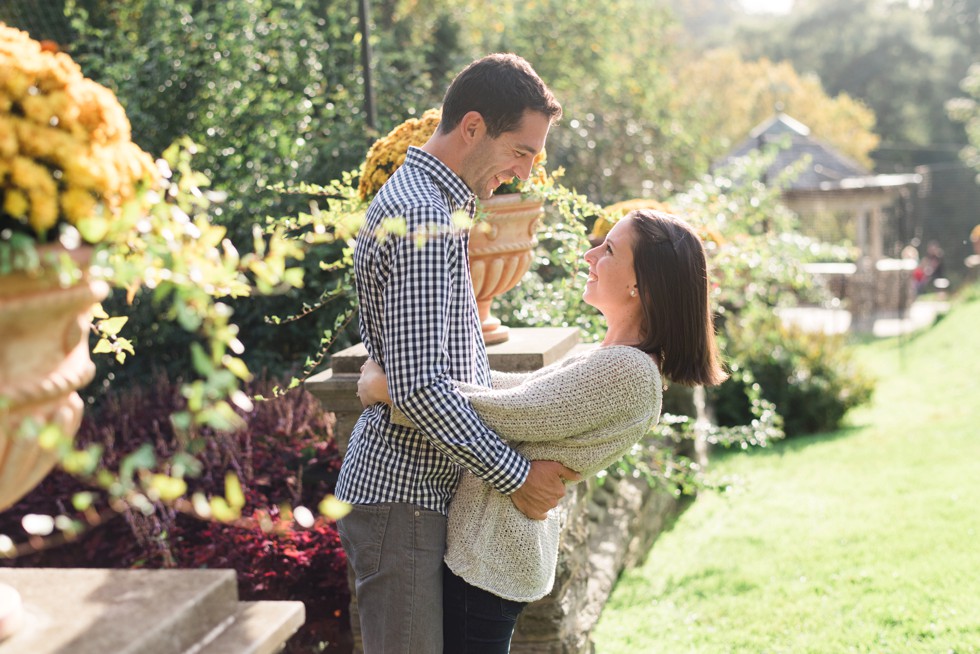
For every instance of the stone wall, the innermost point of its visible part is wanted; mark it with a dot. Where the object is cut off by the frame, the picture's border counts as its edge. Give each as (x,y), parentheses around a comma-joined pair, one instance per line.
(611,527)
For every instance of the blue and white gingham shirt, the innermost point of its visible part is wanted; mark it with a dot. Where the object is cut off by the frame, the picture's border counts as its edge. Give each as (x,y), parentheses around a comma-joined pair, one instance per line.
(418,319)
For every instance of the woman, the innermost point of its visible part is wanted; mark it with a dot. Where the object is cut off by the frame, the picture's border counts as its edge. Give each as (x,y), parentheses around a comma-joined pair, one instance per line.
(649,280)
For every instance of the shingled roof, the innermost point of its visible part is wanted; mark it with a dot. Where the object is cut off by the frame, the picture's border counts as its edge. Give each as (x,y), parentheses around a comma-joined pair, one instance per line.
(826,164)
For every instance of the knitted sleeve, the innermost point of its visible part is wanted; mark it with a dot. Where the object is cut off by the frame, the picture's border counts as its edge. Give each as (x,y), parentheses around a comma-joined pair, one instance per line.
(503,380)
(584,394)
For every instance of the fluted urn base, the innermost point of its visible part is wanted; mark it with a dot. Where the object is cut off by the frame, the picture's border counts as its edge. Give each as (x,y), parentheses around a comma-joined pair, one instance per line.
(501,249)
(44,359)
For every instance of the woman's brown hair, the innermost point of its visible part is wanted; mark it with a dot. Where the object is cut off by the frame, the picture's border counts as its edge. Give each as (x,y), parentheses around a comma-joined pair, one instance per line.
(672,282)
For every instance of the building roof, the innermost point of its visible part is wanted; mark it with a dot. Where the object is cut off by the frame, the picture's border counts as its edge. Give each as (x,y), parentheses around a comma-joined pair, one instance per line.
(827,166)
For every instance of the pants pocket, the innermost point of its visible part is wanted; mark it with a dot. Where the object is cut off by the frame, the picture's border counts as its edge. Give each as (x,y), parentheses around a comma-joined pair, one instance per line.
(362,532)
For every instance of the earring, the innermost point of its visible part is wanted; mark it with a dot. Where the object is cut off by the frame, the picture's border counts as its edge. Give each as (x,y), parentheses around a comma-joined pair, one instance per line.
(632,292)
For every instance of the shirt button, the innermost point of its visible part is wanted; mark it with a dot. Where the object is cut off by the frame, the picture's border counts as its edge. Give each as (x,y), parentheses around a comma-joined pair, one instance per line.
(417,514)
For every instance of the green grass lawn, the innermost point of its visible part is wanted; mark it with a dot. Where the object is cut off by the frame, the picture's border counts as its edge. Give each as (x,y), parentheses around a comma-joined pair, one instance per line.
(862,540)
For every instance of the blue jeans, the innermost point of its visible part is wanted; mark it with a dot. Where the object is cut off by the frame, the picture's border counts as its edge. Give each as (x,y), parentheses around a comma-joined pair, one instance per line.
(475,621)
(395,551)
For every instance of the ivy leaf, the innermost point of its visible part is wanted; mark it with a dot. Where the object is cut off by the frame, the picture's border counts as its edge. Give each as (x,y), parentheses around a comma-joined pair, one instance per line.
(167,488)
(82,500)
(237,367)
(201,360)
(142,459)
(220,510)
(333,508)
(233,491)
(112,326)
(93,228)
(102,347)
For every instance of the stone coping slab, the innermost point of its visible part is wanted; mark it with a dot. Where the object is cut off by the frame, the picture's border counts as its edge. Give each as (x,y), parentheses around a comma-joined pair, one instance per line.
(527,349)
(100,611)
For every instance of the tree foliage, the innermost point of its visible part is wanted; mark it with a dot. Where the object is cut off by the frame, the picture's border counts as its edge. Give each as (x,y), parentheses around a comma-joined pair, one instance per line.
(966,110)
(617,138)
(902,60)
(274,91)
(723,97)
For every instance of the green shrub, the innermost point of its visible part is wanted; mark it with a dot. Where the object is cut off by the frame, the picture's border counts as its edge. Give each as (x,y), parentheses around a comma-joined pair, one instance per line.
(809,377)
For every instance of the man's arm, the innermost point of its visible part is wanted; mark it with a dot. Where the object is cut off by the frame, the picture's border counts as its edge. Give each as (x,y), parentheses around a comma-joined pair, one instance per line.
(417,325)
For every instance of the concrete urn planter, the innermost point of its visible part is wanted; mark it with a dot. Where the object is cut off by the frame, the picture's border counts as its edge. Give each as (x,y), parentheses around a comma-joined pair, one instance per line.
(44,359)
(501,248)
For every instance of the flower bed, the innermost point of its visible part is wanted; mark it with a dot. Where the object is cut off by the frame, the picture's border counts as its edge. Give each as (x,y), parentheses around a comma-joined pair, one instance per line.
(285,457)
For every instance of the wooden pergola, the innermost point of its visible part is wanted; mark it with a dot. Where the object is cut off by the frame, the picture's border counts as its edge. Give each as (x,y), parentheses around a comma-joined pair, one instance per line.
(833,184)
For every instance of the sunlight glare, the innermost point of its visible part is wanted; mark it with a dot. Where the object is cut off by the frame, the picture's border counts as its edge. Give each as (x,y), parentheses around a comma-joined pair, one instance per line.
(767,6)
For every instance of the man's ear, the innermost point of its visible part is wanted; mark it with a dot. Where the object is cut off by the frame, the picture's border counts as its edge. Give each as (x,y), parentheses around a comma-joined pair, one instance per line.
(472,127)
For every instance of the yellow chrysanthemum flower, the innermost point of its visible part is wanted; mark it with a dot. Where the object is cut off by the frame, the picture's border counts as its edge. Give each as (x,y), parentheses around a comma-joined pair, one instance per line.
(44,211)
(65,141)
(15,203)
(77,204)
(28,175)
(388,152)
(8,137)
(614,212)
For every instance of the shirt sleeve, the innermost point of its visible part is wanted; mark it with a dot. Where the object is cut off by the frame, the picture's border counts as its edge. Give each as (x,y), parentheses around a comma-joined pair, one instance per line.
(416,330)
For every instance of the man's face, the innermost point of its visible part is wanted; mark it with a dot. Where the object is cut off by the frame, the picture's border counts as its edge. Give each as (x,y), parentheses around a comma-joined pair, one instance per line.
(497,160)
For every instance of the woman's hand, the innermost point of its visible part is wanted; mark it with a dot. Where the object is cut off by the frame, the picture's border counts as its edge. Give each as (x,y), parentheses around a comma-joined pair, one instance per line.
(372,386)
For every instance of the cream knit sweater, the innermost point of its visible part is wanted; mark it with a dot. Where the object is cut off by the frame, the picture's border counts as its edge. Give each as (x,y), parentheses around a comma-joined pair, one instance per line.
(586,412)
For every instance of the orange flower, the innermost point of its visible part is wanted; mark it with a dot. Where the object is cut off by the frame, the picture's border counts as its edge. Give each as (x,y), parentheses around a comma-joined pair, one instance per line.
(611,214)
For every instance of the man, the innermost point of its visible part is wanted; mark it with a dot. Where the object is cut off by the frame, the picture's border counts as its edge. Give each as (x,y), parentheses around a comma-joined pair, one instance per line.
(419,321)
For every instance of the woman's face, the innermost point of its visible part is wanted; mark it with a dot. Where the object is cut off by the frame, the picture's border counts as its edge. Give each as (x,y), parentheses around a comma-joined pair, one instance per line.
(611,274)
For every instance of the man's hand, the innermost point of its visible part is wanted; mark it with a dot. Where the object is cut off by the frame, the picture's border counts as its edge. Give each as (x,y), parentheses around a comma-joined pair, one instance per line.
(543,488)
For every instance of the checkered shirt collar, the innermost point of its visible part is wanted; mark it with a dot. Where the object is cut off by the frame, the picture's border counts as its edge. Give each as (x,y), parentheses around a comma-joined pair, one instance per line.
(459,194)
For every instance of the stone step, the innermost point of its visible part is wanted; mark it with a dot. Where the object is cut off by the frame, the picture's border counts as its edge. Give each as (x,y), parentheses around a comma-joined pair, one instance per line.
(96,611)
(259,628)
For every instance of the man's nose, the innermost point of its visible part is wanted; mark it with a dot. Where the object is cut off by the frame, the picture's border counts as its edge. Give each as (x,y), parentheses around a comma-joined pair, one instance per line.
(524,171)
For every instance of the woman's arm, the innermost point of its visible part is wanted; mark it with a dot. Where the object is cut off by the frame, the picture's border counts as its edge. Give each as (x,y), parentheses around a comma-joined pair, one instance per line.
(579,396)
(501,380)
(372,386)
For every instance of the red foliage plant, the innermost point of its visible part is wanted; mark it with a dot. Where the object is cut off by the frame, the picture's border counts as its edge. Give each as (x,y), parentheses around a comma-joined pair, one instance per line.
(285,457)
